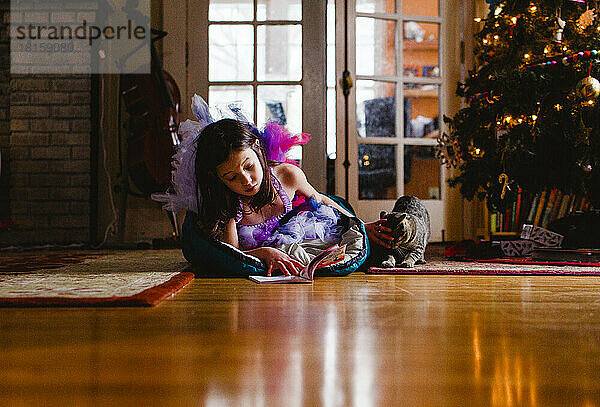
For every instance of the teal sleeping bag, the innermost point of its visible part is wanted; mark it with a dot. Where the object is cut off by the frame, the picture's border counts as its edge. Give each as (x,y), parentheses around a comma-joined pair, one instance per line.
(213,258)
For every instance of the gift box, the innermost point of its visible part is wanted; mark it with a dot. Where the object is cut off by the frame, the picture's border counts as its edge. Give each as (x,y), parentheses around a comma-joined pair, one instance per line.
(542,236)
(517,248)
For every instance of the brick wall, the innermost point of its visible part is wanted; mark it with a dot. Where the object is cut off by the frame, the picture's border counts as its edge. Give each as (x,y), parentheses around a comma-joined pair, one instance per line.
(45,125)
(50,158)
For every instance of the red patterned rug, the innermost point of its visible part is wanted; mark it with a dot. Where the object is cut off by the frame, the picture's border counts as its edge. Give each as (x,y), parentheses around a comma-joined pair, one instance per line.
(527,261)
(135,278)
(504,268)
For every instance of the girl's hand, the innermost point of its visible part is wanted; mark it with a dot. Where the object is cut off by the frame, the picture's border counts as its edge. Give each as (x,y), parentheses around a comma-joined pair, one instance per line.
(277,260)
(379,233)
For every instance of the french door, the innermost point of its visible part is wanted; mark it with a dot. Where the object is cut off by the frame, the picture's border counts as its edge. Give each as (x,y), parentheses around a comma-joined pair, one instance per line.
(267,54)
(393,50)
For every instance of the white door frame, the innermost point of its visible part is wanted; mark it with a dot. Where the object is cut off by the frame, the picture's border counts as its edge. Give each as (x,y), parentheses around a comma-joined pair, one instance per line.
(368,210)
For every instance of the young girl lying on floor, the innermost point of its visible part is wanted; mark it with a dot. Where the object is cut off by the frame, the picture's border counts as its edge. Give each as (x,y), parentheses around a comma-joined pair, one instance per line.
(236,180)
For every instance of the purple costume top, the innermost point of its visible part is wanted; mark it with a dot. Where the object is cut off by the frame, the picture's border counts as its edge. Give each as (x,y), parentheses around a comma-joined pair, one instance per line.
(307,220)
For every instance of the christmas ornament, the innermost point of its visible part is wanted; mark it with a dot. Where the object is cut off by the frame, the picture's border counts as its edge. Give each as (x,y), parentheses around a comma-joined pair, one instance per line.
(586,19)
(503,193)
(447,150)
(560,25)
(585,166)
(503,179)
(588,88)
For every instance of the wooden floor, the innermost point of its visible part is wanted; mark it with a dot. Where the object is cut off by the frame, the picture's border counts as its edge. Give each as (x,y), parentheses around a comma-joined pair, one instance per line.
(353,341)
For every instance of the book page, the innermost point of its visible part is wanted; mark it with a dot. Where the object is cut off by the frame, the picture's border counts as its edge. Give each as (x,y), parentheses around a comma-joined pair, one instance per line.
(279,279)
(327,257)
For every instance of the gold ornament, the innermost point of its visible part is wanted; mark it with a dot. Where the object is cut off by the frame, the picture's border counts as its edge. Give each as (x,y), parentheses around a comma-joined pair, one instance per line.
(503,179)
(586,19)
(588,88)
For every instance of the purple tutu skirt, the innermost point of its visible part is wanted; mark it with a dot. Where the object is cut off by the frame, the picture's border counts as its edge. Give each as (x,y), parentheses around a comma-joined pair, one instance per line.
(308,221)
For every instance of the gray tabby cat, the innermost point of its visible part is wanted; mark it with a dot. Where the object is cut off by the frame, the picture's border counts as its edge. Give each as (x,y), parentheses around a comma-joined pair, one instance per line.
(409,222)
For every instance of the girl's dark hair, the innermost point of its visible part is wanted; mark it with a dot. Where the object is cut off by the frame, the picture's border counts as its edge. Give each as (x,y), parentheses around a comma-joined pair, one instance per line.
(218,204)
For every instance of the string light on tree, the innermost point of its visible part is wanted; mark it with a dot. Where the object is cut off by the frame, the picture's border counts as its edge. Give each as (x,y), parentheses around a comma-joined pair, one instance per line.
(476,152)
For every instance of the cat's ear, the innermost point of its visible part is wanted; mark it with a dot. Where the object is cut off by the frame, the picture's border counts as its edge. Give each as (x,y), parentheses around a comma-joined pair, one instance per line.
(382,214)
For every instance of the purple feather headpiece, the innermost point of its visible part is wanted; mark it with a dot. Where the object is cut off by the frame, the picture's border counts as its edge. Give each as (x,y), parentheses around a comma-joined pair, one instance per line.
(275,138)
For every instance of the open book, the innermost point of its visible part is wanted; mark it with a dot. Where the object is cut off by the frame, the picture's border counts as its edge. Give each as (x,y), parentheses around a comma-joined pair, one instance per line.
(327,257)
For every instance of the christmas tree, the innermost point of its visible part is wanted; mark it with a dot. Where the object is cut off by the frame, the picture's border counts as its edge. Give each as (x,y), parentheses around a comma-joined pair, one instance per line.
(532,116)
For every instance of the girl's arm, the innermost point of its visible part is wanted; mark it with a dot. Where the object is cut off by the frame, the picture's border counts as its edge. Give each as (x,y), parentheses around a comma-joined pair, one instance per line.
(273,258)
(294,176)
(230,234)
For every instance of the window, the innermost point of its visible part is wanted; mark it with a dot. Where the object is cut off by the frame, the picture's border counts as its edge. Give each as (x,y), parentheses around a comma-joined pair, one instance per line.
(255,57)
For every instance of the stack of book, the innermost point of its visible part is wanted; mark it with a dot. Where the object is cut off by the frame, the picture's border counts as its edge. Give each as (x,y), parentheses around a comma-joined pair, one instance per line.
(538,209)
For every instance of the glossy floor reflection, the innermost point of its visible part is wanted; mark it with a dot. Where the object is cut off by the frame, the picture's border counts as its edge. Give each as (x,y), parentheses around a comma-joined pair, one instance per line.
(354,341)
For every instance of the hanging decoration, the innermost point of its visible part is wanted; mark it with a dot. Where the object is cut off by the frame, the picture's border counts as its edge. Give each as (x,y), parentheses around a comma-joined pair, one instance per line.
(567,60)
(586,19)
(560,25)
(502,193)
(588,89)
(503,179)
(447,150)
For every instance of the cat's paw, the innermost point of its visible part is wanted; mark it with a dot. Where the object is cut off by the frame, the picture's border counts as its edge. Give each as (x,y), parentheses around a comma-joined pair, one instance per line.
(421,261)
(407,264)
(388,264)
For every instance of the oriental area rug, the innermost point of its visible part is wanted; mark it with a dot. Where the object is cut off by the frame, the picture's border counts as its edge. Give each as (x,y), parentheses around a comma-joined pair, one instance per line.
(125,278)
(490,268)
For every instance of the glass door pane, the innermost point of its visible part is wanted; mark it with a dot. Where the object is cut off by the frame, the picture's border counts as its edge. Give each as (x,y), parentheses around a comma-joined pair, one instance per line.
(376,108)
(281,103)
(375,47)
(230,10)
(279,53)
(376,6)
(230,52)
(377,171)
(223,95)
(420,47)
(430,8)
(421,111)
(286,10)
